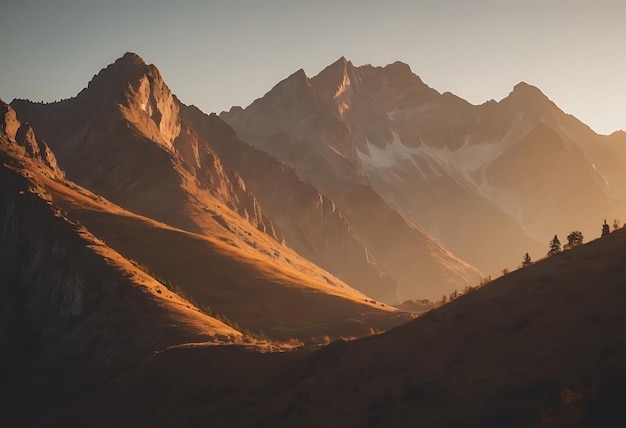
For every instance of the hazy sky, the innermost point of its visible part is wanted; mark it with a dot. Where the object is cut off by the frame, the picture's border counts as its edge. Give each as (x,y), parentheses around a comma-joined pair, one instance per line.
(216,54)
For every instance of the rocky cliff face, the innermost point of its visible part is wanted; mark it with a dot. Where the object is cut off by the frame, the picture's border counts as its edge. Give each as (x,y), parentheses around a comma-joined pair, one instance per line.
(24,136)
(122,137)
(67,297)
(309,221)
(74,313)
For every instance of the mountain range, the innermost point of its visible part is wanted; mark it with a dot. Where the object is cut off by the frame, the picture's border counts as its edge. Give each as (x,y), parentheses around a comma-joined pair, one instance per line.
(146,245)
(489,181)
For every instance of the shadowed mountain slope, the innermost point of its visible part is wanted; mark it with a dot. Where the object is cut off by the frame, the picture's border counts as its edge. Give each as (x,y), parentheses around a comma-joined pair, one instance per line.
(542,346)
(70,304)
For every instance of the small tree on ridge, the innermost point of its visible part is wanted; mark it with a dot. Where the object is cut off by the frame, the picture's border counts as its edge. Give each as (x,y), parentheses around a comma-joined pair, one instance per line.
(555,246)
(527,260)
(574,239)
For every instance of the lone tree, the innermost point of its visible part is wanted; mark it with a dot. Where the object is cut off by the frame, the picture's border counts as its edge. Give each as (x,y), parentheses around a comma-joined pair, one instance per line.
(574,239)
(527,261)
(606,229)
(555,246)
(616,224)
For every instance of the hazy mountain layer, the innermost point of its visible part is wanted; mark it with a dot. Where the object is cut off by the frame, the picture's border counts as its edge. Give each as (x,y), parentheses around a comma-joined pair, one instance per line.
(490,181)
(296,123)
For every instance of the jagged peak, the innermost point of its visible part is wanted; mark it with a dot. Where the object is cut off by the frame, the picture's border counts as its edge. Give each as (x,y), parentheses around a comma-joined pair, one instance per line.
(132,57)
(527,90)
(403,69)
(396,66)
(130,67)
(399,66)
(526,96)
(340,66)
(335,78)
(299,75)
(398,69)
(297,79)
(9,124)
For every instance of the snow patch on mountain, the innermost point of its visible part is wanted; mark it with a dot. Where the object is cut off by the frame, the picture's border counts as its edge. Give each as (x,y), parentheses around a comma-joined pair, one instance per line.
(464,164)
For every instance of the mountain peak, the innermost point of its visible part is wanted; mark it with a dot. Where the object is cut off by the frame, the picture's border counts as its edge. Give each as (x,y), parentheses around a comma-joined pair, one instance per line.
(338,67)
(400,66)
(132,57)
(128,68)
(295,80)
(335,78)
(527,90)
(299,75)
(398,71)
(527,96)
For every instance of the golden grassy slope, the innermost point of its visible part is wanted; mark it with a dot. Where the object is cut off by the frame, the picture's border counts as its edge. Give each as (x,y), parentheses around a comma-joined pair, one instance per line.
(255,282)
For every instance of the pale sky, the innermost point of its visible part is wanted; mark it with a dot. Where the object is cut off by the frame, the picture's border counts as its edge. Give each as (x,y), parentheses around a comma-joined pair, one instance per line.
(216,54)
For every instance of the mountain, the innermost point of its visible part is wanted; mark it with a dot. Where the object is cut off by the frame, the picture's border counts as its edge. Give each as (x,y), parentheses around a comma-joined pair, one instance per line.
(70,303)
(541,346)
(127,138)
(256,283)
(490,181)
(295,124)
(90,289)
(122,138)
(309,221)
(148,277)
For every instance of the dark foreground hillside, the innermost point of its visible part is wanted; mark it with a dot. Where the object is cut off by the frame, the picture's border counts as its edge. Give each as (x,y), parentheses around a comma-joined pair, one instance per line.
(542,346)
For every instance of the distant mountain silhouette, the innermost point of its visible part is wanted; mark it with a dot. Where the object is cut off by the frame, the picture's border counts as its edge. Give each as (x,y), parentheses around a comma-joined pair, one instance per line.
(490,181)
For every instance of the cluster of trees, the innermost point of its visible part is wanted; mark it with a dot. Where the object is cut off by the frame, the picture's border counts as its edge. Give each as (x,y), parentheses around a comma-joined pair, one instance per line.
(606,229)
(574,239)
